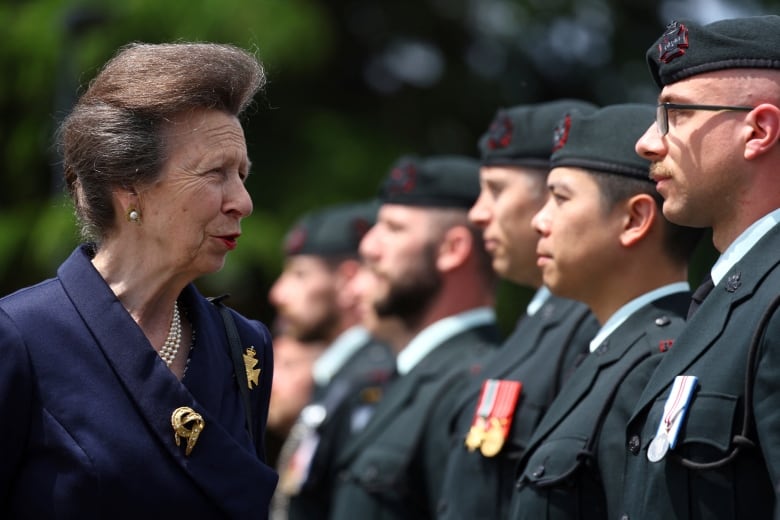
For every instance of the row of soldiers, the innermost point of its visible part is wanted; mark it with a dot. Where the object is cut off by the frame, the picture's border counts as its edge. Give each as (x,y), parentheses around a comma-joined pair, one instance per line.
(610,398)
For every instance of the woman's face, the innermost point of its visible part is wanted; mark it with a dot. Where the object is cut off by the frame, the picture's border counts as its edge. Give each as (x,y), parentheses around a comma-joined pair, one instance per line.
(191,217)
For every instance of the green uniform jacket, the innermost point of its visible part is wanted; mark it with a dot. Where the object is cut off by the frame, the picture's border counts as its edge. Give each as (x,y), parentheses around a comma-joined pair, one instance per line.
(576,455)
(714,348)
(370,366)
(392,469)
(540,353)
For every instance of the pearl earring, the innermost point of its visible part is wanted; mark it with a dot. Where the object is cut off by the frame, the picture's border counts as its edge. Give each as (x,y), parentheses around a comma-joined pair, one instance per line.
(133,216)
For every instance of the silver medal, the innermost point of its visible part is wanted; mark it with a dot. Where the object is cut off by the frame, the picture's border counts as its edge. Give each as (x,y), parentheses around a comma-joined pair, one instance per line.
(658,447)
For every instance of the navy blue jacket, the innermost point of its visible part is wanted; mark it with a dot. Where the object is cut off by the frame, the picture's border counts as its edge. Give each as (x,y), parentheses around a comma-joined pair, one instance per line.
(86,405)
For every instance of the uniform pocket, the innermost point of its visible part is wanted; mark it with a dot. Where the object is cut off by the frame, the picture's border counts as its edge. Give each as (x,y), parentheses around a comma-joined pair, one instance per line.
(554,461)
(709,425)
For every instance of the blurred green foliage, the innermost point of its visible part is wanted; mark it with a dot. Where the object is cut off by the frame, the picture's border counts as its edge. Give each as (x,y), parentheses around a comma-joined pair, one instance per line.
(352,85)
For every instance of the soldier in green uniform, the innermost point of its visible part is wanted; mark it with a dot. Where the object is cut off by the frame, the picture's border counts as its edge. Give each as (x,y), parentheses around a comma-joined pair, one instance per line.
(714,452)
(493,419)
(432,273)
(321,260)
(603,241)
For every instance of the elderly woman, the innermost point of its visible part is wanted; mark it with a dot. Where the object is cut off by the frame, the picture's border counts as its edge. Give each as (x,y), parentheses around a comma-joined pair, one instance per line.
(121,395)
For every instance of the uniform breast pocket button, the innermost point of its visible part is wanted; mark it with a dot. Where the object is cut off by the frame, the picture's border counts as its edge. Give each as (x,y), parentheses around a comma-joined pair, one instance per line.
(370,474)
(538,472)
(634,443)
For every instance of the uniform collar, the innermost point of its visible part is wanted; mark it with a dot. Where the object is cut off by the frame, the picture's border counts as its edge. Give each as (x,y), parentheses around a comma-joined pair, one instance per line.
(338,353)
(744,243)
(540,298)
(437,333)
(625,312)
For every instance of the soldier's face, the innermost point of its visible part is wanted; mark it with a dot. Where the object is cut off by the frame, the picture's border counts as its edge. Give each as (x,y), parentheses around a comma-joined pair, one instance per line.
(579,246)
(509,198)
(401,252)
(305,298)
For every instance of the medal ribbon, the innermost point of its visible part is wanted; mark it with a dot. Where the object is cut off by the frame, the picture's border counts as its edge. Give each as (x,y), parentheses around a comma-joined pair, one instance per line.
(488,398)
(678,400)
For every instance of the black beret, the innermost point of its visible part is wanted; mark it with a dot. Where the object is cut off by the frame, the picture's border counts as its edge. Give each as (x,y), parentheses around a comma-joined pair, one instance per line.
(686,49)
(332,231)
(604,140)
(443,181)
(520,136)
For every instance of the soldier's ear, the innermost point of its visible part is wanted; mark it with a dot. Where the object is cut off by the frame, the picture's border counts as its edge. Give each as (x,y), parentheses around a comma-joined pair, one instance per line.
(762,130)
(640,214)
(455,248)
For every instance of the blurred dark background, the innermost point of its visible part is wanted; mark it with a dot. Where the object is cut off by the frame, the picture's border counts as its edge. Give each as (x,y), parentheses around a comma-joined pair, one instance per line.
(352,85)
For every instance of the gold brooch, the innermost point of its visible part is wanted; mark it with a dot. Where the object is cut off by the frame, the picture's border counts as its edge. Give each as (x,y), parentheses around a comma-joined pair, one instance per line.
(251,361)
(187,424)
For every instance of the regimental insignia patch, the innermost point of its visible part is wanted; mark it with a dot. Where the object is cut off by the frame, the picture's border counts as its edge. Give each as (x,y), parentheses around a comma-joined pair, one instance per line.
(673,43)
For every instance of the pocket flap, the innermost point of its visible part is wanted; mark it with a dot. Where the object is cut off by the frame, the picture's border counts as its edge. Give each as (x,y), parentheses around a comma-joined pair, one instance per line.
(555,460)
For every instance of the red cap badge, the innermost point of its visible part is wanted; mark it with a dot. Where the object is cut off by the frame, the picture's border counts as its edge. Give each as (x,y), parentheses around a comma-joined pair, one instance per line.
(561,133)
(500,132)
(673,43)
(402,179)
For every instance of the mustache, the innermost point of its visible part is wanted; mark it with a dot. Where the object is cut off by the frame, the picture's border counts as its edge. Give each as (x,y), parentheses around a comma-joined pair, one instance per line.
(658,170)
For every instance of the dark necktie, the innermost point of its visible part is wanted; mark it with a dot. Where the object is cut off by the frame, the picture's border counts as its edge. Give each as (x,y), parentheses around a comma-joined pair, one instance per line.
(698,296)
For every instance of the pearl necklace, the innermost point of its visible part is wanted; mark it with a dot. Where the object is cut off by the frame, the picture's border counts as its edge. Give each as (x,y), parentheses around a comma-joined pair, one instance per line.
(171,346)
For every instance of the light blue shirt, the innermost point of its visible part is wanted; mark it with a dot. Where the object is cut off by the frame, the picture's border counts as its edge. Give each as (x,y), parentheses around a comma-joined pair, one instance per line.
(625,312)
(338,353)
(437,333)
(744,243)
(540,298)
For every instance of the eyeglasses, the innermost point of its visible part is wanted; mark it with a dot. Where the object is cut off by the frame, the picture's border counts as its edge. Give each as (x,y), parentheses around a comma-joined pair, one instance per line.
(662,112)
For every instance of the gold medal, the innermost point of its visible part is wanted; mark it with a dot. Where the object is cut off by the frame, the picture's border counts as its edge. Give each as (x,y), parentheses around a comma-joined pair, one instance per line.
(493,440)
(475,437)
(187,424)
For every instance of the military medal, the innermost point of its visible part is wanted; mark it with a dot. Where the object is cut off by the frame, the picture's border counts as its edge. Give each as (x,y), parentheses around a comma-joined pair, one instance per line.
(493,416)
(674,413)
(250,361)
(494,438)
(187,424)
(658,447)
(302,445)
(476,434)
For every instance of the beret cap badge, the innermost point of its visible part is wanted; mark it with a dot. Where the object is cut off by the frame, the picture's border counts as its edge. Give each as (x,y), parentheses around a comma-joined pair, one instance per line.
(561,132)
(402,179)
(673,42)
(500,132)
(295,241)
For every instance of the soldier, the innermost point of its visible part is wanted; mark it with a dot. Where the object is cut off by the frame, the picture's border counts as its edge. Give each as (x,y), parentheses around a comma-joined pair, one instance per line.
(711,449)
(604,242)
(292,383)
(493,419)
(432,273)
(314,304)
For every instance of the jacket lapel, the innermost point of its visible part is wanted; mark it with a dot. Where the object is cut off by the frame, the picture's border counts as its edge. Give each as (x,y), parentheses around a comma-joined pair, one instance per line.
(612,350)
(709,322)
(521,344)
(402,391)
(156,392)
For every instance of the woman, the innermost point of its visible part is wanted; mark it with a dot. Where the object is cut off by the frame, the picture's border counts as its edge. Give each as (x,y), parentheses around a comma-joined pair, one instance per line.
(118,392)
